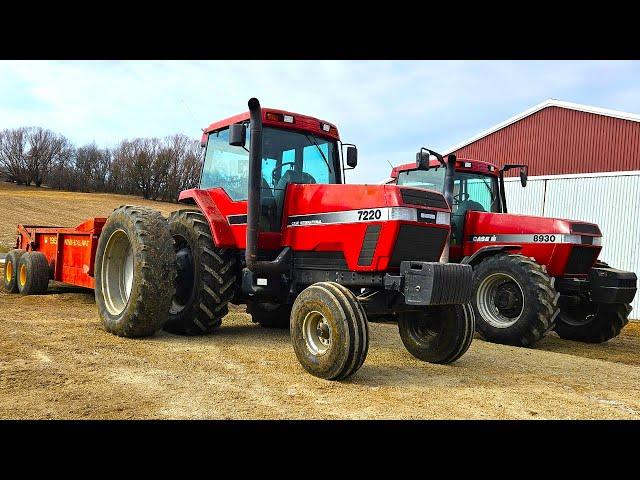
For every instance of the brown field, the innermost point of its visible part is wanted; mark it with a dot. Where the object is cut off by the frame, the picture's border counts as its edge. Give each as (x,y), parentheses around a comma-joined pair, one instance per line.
(56,361)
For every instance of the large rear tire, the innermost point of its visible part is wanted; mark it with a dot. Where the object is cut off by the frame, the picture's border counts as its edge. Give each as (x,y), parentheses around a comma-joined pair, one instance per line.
(439,334)
(513,299)
(329,331)
(207,276)
(592,322)
(270,315)
(33,273)
(134,271)
(10,277)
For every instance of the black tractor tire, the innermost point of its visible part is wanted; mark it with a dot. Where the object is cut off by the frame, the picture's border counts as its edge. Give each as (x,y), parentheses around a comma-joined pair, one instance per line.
(10,276)
(329,331)
(514,300)
(134,272)
(33,273)
(270,315)
(592,322)
(439,333)
(207,276)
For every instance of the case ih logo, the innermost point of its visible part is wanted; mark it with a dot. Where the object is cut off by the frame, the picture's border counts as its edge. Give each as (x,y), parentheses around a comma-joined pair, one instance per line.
(484,238)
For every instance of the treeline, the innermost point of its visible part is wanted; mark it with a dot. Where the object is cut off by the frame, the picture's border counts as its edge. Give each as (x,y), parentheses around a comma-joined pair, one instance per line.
(154,168)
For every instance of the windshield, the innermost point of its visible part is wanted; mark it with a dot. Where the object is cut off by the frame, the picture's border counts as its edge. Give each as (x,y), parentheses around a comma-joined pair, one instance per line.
(472,191)
(432,179)
(287,157)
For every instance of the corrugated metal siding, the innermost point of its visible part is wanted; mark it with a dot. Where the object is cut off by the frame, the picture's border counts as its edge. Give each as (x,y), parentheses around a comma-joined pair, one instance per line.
(613,202)
(558,140)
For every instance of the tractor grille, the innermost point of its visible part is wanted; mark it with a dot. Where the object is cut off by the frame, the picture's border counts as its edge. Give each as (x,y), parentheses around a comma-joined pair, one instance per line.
(369,245)
(581,259)
(585,228)
(320,260)
(423,197)
(418,243)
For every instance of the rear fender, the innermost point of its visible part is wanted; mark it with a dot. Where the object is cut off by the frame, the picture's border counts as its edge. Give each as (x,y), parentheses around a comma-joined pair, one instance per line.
(220,229)
(485,252)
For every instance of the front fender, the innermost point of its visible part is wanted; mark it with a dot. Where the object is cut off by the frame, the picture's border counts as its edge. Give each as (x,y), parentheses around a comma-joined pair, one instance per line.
(488,251)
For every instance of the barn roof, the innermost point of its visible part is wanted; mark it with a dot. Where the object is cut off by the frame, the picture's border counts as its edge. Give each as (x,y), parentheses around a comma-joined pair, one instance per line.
(547,103)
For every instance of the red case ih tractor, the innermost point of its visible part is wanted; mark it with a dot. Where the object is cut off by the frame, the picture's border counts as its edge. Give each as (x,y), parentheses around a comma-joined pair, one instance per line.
(271,226)
(531,274)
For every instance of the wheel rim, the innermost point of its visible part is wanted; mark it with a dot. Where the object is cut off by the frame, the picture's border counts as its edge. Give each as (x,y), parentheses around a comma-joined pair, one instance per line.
(185,278)
(317,333)
(22,275)
(8,274)
(117,272)
(500,300)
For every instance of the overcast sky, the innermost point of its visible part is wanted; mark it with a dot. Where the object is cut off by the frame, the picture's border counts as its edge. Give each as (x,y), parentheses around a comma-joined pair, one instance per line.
(389,109)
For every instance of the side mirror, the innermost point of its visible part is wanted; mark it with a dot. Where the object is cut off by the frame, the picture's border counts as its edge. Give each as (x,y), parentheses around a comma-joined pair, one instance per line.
(352,157)
(238,135)
(422,160)
(523,177)
(203,140)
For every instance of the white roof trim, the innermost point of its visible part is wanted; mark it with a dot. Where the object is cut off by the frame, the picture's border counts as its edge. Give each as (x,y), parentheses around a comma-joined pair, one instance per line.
(547,103)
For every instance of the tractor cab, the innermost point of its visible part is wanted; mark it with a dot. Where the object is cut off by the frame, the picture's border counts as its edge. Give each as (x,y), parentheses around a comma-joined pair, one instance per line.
(295,149)
(478,186)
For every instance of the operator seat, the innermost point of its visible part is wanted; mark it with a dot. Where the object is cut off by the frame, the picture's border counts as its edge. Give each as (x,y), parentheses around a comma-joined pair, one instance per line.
(290,176)
(458,219)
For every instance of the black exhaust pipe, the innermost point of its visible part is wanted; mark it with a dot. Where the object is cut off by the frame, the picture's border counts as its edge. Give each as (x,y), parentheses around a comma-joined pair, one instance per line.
(282,262)
(449,177)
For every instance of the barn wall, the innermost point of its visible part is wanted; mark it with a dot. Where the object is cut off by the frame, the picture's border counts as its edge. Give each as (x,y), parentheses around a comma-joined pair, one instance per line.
(613,202)
(557,140)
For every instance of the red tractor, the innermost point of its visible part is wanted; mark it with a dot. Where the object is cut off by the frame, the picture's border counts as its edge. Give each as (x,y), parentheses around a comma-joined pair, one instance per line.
(531,274)
(272,226)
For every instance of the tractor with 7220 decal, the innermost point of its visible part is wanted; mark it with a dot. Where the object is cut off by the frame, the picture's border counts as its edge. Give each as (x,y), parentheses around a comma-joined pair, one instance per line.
(274,227)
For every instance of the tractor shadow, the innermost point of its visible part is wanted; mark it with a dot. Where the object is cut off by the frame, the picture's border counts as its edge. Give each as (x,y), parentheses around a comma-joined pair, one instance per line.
(622,349)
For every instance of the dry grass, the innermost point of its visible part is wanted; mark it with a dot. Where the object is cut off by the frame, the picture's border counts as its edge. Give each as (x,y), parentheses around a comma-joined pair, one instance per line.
(56,361)
(43,206)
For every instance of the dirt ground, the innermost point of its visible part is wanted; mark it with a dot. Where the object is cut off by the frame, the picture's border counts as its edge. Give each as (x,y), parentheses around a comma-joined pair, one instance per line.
(56,361)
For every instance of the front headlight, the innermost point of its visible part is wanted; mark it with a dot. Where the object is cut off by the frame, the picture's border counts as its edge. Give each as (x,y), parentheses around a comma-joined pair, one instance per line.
(597,241)
(443,218)
(403,213)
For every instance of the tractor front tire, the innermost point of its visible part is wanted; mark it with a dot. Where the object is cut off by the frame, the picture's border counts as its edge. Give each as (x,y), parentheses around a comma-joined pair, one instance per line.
(134,272)
(270,315)
(513,299)
(10,277)
(207,276)
(33,273)
(329,331)
(439,333)
(592,322)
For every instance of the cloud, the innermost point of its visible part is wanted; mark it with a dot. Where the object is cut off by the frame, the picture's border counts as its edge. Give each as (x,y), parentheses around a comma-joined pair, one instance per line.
(388,108)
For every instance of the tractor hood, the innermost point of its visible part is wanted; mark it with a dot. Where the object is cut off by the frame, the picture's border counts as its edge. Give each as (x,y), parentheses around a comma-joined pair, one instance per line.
(518,229)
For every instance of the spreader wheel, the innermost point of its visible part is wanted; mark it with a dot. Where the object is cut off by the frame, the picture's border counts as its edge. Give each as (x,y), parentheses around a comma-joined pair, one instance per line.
(439,333)
(10,277)
(33,273)
(329,331)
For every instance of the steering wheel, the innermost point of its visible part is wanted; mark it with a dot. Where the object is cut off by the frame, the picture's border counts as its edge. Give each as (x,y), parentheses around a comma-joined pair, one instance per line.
(273,173)
(459,197)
